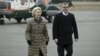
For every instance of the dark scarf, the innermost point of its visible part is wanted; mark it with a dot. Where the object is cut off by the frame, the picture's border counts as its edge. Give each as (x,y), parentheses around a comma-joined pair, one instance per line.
(38,20)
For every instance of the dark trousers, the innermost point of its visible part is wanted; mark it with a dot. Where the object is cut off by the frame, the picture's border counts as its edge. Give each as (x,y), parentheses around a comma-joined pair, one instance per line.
(62,47)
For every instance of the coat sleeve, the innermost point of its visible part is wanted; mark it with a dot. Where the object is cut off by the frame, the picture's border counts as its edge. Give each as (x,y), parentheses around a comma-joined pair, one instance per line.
(28,31)
(75,28)
(55,27)
(46,33)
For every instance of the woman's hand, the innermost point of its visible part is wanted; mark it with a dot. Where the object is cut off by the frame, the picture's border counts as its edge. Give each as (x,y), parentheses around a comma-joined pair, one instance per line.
(29,42)
(46,42)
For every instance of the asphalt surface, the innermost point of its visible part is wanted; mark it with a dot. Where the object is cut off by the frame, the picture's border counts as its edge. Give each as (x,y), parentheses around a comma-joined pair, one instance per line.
(13,43)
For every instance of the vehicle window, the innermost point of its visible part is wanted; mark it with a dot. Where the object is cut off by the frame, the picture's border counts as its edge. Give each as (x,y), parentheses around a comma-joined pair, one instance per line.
(23,2)
(2,5)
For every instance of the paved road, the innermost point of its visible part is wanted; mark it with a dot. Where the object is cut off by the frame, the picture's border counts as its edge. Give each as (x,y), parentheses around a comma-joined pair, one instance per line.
(13,43)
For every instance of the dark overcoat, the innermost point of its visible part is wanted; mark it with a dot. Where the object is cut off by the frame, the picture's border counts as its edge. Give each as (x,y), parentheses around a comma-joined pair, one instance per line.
(63,27)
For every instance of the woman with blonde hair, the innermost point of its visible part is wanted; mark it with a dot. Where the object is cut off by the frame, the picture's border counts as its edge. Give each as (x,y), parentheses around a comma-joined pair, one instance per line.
(36,34)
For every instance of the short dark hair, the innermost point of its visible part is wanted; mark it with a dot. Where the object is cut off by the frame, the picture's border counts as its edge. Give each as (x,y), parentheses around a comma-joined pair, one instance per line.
(65,3)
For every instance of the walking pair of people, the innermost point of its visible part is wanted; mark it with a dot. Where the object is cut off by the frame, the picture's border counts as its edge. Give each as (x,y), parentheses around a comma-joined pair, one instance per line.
(64,25)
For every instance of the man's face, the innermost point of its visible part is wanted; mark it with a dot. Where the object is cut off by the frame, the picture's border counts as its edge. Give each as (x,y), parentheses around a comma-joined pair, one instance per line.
(65,7)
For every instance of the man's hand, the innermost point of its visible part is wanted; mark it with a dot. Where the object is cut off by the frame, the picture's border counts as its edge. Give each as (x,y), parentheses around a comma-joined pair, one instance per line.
(56,40)
(76,40)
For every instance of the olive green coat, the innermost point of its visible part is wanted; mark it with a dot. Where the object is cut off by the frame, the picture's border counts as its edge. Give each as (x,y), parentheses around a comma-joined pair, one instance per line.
(36,32)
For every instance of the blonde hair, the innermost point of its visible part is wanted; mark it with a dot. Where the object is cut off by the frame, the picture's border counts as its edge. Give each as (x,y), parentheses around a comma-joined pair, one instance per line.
(35,9)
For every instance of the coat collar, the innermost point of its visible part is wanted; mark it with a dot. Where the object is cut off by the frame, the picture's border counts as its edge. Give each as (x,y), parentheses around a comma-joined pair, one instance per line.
(65,14)
(38,20)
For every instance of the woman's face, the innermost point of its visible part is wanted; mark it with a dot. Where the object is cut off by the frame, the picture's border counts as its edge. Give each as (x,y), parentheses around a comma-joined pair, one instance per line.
(38,13)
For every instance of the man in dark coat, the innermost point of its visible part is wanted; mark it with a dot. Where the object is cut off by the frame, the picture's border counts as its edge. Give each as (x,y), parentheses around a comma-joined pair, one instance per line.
(63,26)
